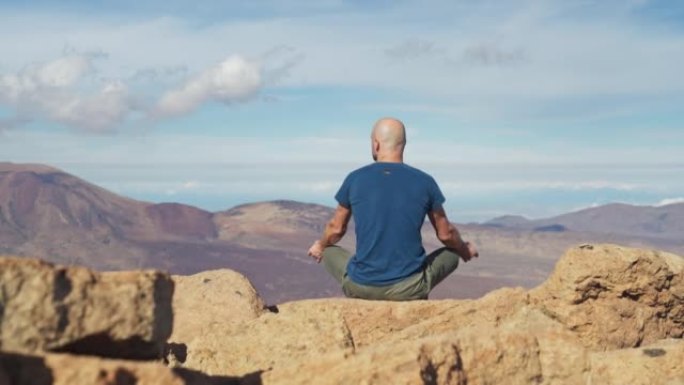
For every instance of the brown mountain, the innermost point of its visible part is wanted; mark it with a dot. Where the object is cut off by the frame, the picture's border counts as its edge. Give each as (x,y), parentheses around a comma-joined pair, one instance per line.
(666,222)
(47,213)
(273,225)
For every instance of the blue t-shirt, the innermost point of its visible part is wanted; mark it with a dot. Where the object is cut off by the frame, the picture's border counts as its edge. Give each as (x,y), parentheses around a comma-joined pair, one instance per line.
(389,202)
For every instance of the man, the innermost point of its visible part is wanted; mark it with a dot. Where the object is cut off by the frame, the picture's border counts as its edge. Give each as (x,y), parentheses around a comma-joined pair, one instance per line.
(389,201)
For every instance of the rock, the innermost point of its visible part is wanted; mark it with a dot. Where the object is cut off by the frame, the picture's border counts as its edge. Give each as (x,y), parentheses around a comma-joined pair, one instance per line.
(422,362)
(372,322)
(295,333)
(491,356)
(527,348)
(607,315)
(212,297)
(209,301)
(562,358)
(64,369)
(67,369)
(305,330)
(616,297)
(545,336)
(71,309)
(472,356)
(657,364)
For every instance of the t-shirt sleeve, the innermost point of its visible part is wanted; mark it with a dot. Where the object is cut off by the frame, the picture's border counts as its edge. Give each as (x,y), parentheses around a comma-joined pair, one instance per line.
(436,198)
(342,196)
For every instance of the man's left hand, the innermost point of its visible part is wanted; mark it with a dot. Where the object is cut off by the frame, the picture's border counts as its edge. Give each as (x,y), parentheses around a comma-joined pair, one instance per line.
(316,251)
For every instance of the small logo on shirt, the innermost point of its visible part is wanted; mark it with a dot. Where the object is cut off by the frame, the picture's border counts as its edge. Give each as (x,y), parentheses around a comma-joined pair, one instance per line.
(386,172)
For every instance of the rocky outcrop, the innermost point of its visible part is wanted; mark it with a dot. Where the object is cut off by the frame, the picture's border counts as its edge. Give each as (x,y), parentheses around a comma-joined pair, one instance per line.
(206,303)
(570,330)
(607,315)
(615,297)
(44,307)
(220,296)
(290,335)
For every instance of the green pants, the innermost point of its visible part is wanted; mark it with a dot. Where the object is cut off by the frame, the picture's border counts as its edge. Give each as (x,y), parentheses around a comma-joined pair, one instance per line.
(438,265)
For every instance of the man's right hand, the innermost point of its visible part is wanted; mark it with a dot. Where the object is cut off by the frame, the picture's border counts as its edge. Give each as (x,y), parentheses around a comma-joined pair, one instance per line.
(316,251)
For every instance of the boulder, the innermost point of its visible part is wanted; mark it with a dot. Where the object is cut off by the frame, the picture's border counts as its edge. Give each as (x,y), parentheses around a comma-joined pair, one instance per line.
(206,303)
(44,307)
(615,297)
(290,333)
(223,297)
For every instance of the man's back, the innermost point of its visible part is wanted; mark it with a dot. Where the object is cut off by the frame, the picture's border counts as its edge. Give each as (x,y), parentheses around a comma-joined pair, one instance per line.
(389,202)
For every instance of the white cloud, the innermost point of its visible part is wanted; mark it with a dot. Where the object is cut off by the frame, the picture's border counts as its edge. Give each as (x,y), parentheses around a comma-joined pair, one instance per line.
(234,80)
(543,183)
(192,184)
(175,188)
(63,72)
(569,55)
(59,90)
(67,90)
(100,111)
(670,201)
(557,55)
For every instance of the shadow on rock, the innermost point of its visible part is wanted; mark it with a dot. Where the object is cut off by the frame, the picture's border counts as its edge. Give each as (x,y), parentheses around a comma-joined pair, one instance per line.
(192,377)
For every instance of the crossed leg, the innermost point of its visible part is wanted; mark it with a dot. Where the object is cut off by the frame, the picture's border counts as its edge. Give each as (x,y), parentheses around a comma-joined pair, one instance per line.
(335,260)
(438,265)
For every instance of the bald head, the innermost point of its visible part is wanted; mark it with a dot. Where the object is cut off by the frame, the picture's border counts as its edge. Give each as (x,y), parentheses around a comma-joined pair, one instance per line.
(388,138)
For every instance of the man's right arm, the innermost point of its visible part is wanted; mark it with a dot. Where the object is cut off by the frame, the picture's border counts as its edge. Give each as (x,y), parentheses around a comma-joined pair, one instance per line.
(449,235)
(334,231)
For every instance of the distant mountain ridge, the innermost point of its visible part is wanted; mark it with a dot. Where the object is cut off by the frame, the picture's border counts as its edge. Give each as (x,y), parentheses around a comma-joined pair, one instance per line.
(50,214)
(665,222)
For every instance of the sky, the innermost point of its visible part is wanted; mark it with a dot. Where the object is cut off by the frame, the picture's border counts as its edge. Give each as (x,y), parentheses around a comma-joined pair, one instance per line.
(521,107)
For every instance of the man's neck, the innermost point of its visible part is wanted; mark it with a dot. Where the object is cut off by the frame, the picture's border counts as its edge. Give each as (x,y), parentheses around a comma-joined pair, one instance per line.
(391,158)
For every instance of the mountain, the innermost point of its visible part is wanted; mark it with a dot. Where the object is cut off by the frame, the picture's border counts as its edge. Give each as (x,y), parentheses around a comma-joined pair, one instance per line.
(508,221)
(278,224)
(47,212)
(50,214)
(663,222)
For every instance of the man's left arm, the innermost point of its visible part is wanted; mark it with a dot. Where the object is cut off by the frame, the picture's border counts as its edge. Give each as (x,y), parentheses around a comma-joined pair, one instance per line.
(334,231)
